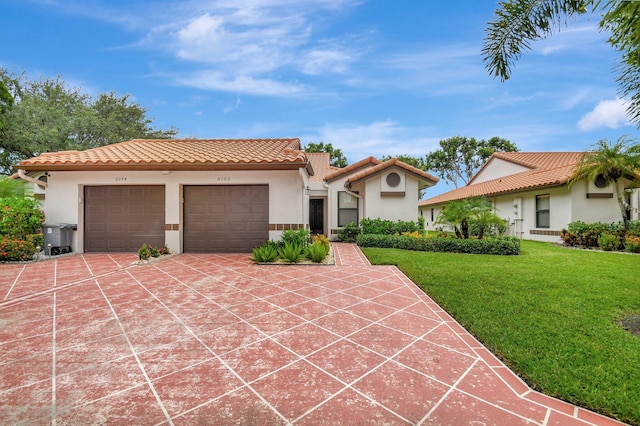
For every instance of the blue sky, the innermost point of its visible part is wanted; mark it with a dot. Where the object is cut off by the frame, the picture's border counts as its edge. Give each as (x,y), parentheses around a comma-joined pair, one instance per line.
(371,77)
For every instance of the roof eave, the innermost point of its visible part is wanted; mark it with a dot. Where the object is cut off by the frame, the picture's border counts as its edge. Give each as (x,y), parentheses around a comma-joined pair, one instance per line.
(164,166)
(560,182)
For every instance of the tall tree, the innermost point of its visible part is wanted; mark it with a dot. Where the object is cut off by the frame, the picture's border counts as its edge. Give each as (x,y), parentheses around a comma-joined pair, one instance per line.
(417,162)
(459,157)
(518,23)
(6,102)
(48,116)
(336,156)
(614,162)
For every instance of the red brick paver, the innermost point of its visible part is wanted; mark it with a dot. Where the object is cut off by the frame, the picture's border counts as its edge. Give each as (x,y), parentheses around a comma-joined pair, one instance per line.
(214,339)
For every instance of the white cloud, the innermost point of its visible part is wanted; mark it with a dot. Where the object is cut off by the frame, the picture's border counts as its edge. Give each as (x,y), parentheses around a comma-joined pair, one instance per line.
(214,80)
(609,113)
(377,139)
(232,107)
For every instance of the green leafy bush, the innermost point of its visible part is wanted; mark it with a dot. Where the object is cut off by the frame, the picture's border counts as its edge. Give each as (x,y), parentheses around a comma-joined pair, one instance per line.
(348,233)
(291,252)
(608,241)
(20,217)
(506,246)
(588,235)
(632,244)
(317,252)
(388,227)
(20,227)
(267,252)
(147,251)
(301,237)
(12,249)
(36,239)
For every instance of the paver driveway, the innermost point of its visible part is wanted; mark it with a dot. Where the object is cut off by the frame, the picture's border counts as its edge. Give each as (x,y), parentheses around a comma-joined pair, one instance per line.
(213,339)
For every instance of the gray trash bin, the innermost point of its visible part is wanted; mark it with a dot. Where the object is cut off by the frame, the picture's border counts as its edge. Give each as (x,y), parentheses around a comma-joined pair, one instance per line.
(57,238)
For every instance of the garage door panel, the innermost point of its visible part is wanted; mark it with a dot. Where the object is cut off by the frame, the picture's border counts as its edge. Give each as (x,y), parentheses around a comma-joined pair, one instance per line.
(225,218)
(122,218)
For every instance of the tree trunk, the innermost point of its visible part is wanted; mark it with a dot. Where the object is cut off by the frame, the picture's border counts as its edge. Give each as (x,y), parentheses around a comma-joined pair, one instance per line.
(622,204)
(465,229)
(458,234)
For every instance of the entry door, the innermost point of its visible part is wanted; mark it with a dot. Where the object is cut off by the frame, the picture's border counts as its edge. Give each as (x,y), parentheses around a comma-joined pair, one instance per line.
(316,216)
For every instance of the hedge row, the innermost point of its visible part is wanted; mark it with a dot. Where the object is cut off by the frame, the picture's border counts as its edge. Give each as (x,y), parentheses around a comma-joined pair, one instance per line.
(505,246)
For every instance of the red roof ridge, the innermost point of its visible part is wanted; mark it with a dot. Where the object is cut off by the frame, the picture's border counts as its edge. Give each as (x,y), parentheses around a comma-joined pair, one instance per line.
(351,167)
(389,163)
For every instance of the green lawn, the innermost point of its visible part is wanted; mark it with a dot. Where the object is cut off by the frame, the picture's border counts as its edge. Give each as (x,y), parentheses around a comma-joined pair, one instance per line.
(550,314)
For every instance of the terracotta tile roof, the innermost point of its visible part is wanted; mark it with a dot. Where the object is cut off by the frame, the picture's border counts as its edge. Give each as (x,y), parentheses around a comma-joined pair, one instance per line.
(422,175)
(172,154)
(367,162)
(320,161)
(545,169)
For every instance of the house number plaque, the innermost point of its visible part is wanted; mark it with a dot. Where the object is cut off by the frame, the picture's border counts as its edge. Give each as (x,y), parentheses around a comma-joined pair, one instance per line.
(224,178)
(121,178)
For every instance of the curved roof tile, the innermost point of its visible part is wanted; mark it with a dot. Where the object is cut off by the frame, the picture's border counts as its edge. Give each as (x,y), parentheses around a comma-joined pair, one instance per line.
(176,153)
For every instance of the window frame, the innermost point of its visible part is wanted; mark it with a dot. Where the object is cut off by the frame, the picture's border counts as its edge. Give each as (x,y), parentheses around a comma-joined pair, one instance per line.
(542,211)
(348,209)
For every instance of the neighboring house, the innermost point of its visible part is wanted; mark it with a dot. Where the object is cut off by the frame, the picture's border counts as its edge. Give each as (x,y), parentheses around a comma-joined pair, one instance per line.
(213,195)
(530,191)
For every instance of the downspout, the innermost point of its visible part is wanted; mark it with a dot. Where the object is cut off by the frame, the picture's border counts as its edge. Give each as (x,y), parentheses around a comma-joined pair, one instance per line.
(347,187)
(23,176)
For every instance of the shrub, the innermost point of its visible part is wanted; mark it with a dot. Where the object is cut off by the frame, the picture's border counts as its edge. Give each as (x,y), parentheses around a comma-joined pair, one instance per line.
(321,239)
(632,244)
(348,233)
(36,239)
(12,249)
(144,252)
(301,237)
(388,227)
(291,252)
(317,252)
(267,252)
(608,242)
(147,251)
(20,217)
(497,246)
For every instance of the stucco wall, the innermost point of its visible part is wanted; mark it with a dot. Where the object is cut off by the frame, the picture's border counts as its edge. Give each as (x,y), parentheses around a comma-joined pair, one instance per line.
(288,203)
(498,168)
(565,206)
(391,206)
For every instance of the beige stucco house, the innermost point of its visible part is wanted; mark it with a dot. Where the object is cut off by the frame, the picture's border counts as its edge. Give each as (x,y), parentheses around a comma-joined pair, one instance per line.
(530,191)
(213,195)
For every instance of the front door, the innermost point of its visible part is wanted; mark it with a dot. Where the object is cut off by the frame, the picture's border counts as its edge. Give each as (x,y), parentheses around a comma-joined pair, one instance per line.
(316,216)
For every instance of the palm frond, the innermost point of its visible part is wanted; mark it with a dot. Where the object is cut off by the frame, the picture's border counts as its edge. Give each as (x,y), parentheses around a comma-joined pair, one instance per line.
(518,23)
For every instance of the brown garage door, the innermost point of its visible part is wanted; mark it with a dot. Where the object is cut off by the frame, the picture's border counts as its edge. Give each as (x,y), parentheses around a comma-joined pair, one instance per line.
(225,219)
(122,218)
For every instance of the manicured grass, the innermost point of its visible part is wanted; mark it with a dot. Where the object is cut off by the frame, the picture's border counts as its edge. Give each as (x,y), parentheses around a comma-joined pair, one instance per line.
(550,314)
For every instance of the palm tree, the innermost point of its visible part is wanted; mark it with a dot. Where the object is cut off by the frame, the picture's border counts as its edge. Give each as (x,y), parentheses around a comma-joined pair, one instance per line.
(455,214)
(486,218)
(518,23)
(459,213)
(614,162)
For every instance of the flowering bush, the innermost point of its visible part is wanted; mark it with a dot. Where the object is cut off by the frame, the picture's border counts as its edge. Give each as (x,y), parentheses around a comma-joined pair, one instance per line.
(20,228)
(12,249)
(20,217)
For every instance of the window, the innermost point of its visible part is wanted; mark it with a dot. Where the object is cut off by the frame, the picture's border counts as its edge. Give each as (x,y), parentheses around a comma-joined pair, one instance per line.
(347,209)
(431,215)
(542,211)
